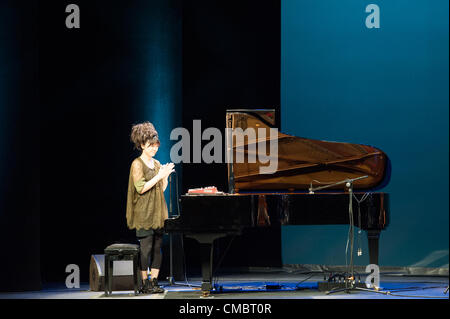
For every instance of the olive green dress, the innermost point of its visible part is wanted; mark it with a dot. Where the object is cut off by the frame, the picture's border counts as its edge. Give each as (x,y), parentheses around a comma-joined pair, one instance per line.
(145,212)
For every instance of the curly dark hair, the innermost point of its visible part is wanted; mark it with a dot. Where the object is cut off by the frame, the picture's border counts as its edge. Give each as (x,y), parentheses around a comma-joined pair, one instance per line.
(142,133)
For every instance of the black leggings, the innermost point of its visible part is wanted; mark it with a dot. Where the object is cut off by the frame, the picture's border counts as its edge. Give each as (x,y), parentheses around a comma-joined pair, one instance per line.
(151,249)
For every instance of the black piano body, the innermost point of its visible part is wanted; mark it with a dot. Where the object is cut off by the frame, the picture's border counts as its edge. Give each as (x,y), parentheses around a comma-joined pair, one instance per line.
(206,218)
(283,198)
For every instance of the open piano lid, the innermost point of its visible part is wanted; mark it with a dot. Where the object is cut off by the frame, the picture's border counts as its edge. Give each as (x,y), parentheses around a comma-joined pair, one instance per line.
(301,162)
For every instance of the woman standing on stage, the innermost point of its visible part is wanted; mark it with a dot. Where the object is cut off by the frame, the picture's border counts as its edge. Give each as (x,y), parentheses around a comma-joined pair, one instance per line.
(146,205)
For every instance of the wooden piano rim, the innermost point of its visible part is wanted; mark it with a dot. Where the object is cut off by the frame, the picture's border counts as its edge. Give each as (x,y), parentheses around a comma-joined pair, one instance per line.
(293,193)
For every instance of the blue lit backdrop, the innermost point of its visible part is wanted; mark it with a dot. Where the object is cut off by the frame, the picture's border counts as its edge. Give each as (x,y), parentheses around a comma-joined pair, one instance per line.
(157,41)
(384,87)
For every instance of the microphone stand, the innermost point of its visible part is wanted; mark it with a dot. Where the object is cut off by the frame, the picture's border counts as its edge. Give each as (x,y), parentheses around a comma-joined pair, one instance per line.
(170,278)
(349,282)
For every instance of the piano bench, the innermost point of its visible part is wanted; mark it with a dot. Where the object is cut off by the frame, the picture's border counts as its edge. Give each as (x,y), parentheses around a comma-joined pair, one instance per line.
(121,252)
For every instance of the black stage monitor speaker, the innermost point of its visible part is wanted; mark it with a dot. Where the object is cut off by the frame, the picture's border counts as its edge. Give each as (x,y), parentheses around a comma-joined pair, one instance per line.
(122,274)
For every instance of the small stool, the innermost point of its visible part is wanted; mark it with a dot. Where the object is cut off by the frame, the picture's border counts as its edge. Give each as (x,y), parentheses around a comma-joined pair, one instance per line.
(121,252)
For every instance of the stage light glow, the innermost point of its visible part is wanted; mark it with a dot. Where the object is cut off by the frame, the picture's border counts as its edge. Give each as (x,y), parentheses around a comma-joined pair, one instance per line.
(157,40)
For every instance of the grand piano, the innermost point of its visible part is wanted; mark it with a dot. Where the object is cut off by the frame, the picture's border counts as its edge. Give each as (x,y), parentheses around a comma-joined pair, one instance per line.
(309,186)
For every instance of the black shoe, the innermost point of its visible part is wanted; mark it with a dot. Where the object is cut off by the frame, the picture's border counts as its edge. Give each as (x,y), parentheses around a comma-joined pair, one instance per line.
(156,289)
(146,287)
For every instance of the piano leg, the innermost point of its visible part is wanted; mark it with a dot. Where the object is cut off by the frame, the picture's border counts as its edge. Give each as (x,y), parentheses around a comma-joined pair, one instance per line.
(206,253)
(206,242)
(373,237)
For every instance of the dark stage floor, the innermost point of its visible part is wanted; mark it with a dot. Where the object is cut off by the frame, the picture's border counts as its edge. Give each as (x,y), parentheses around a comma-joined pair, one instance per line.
(261,284)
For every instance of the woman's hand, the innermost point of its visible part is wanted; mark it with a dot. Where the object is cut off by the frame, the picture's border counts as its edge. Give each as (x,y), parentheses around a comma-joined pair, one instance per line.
(166,170)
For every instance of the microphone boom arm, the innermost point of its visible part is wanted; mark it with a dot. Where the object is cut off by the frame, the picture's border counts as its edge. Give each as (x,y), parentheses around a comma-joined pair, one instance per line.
(345,181)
